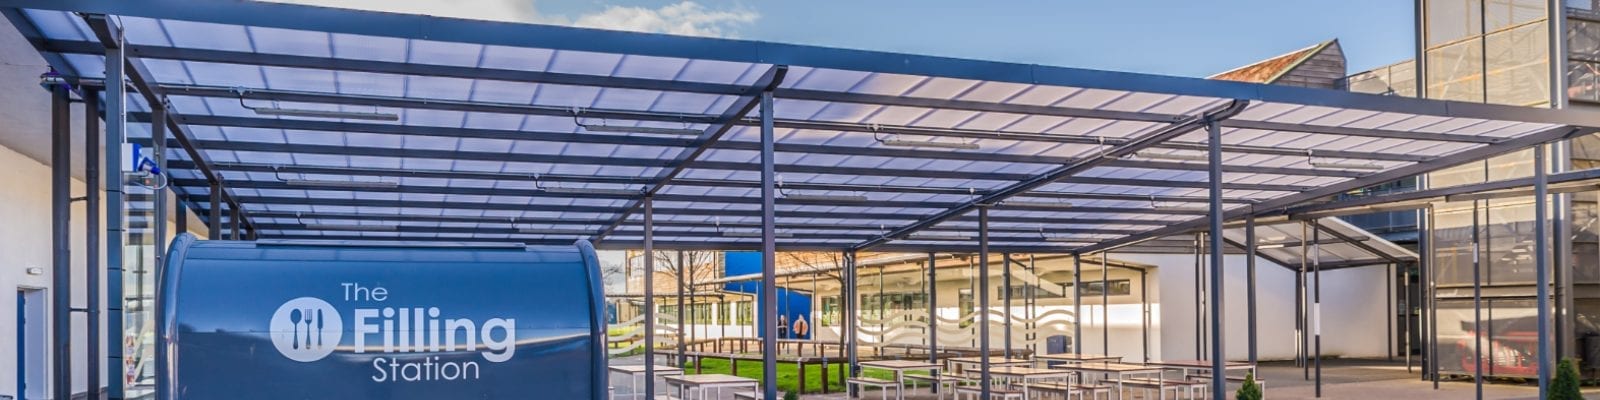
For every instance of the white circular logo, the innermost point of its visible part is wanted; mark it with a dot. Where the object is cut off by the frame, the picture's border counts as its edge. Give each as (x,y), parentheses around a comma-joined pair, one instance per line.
(306,329)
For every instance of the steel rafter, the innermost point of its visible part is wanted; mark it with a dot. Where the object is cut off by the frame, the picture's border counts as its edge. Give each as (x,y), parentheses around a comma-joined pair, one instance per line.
(1143,141)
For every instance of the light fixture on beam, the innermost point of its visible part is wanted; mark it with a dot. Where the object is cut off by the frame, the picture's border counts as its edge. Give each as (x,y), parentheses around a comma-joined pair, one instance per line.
(602,127)
(640,129)
(594,191)
(896,141)
(352,227)
(816,196)
(1331,164)
(323,183)
(1172,156)
(1176,207)
(938,236)
(752,234)
(310,113)
(556,232)
(1071,240)
(1036,204)
(1270,246)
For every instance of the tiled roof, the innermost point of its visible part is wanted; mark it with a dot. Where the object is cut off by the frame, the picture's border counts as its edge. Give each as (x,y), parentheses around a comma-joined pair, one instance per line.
(1271,69)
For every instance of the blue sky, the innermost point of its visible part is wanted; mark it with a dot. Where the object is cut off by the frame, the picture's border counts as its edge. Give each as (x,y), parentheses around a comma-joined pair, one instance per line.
(1173,37)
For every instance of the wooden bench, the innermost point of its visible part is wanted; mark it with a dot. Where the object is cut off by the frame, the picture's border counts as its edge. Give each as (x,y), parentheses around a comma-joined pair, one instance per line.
(934,382)
(1184,388)
(883,385)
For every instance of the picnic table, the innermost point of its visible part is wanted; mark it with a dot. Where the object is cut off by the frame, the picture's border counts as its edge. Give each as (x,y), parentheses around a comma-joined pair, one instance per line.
(1024,375)
(900,367)
(1109,369)
(635,371)
(690,384)
(959,364)
(1070,358)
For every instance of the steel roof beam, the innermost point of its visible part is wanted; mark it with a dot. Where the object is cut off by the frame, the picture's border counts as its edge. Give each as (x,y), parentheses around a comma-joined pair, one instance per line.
(472,106)
(716,165)
(748,100)
(565,178)
(707,199)
(1361,204)
(784,244)
(507,221)
(139,76)
(661,211)
(1279,205)
(1143,141)
(636,231)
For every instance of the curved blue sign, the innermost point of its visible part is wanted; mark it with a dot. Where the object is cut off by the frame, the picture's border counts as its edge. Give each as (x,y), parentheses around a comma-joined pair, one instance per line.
(243,320)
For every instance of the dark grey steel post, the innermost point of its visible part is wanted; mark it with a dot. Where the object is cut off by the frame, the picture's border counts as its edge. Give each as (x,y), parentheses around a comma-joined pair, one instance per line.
(1316,299)
(91,260)
(1006,297)
(682,270)
(649,298)
(1388,287)
(233,222)
(983,302)
(1541,263)
(1077,302)
(1433,300)
(933,312)
(1300,311)
(1219,379)
(1199,311)
(214,224)
(116,117)
(1405,306)
(1105,304)
(1144,313)
(1560,159)
(1250,283)
(1477,307)
(851,306)
(769,342)
(61,238)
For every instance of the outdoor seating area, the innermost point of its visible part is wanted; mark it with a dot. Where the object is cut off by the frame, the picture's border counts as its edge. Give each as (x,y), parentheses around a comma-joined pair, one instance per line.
(771,218)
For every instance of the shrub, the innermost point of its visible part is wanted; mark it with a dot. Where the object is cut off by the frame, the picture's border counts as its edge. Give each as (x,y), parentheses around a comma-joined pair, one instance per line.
(791,396)
(1250,390)
(1565,385)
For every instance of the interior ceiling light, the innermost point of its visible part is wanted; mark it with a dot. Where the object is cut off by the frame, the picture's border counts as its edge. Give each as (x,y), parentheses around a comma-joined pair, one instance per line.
(275,110)
(602,127)
(1312,159)
(351,227)
(1172,156)
(896,141)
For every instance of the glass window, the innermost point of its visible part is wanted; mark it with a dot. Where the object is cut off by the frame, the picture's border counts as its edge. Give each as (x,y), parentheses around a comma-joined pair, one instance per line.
(1500,14)
(1451,20)
(1455,72)
(1581,81)
(1517,65)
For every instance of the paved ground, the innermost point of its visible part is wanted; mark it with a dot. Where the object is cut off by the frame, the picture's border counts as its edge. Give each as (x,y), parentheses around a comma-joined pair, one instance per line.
(1341,379)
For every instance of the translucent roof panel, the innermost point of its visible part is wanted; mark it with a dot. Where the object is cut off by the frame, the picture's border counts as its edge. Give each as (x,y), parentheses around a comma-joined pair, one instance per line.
(349,125)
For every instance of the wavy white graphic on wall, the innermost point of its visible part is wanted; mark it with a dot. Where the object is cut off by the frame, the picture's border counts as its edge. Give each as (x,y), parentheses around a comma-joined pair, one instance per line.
(911,326)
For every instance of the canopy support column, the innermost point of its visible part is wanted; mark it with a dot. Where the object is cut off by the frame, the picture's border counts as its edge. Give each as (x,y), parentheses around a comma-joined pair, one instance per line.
(214,223)
(91,263)
(933,312)
(1250,283)
(1542,263)
(983,301)
(116,117)
(1316,300)
(1219,380)
(1105,303)
(649,299)
(850,318)
(1477,304)
(1077,304)
(769,290)
(61,238)
(1006,297)
(682,269)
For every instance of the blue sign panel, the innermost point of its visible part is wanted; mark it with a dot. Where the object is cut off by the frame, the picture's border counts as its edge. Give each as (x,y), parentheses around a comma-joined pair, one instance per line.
(793,305)
(242,320)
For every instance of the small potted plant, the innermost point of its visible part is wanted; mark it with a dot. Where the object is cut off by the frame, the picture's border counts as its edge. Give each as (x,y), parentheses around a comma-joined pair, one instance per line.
(1250,390)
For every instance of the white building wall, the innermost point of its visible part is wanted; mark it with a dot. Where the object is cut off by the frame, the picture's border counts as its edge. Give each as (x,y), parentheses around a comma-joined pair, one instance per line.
(1354,309)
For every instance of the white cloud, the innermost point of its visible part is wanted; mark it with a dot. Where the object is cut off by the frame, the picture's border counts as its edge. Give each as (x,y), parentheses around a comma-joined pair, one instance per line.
(683,18)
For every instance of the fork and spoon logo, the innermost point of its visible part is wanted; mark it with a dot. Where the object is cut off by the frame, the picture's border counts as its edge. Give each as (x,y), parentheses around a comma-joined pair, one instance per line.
(306,329)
